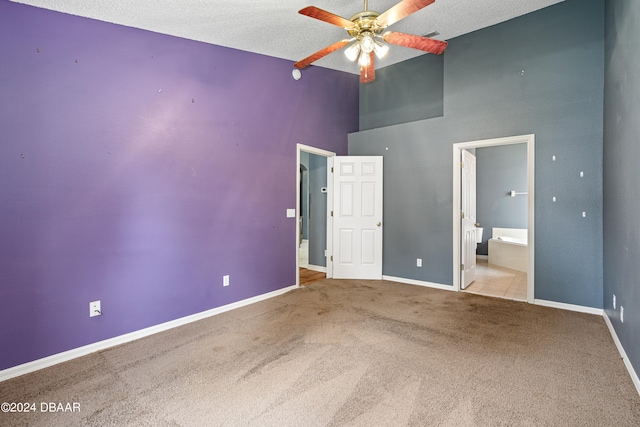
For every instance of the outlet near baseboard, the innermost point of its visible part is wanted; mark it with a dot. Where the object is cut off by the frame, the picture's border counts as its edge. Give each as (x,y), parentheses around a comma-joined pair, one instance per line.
(94,309)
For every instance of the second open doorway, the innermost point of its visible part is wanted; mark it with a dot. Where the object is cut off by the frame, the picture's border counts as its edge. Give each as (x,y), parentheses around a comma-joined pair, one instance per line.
(461,238)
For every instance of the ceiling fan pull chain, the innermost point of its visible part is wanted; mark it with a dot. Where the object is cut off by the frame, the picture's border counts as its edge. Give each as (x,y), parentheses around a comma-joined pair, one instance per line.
(366,5)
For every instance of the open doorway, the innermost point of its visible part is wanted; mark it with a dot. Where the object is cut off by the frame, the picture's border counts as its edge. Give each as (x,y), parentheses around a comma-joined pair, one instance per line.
(503,274)
(303,209)
(312,205)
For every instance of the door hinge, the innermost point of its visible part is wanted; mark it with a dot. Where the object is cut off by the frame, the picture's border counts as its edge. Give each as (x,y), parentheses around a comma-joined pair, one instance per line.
(461,215)
(331,213)
(461,165)
(461,267)
(331,257)
(331,169)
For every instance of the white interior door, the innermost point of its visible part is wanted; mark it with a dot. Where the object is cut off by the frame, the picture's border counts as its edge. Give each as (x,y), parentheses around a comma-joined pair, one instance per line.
(468,227)
(357,217)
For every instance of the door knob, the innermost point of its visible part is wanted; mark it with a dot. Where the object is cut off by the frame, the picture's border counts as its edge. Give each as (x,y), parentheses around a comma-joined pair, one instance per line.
(379,224)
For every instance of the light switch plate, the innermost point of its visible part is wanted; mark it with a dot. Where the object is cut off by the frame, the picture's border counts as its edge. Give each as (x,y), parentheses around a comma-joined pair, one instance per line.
(291,213)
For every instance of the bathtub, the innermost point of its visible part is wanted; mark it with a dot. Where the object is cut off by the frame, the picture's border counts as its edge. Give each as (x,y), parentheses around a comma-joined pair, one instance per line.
(508,248)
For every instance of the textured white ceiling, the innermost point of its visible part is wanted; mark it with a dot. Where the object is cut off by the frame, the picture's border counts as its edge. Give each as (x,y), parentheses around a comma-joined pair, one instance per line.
(274,27)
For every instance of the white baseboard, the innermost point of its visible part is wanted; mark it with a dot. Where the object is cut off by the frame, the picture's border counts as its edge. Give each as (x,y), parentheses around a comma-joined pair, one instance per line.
(317,268)
(482,257)
(418,283)
(552,304)
(46,362)
(623,354)
(570,307)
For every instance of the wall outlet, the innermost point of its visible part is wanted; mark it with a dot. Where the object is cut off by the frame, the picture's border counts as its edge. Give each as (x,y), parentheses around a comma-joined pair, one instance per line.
(614,301)
(419,262)
(225,280)
(621,314)
(94,309)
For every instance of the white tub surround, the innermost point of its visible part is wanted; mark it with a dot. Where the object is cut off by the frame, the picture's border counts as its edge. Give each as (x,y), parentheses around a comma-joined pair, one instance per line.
(508,248)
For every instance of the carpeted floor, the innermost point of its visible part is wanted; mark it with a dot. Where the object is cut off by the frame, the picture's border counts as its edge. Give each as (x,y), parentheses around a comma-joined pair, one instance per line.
(357,353)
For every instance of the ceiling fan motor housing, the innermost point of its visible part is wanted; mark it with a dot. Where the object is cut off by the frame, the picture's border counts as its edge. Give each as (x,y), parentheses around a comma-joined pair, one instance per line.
(365,22)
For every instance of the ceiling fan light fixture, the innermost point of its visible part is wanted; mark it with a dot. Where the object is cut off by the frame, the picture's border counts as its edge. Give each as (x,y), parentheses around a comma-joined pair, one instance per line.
(352,51)
(364,59)
(380,49)
(366,43)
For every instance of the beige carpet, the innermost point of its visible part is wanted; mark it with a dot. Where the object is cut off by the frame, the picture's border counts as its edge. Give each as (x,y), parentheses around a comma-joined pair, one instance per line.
(359,353)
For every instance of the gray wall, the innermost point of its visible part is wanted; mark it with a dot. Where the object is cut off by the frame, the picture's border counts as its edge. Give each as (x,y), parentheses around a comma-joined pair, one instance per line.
(416,95)
(621,173)
(314,212)
(317,210)
(541,73)
(499,170)
(304,193)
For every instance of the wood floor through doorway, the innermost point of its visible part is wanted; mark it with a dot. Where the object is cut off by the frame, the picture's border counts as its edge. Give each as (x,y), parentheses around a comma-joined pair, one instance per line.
(308,277)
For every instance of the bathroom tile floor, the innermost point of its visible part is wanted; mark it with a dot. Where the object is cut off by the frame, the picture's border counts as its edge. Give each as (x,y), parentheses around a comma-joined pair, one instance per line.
(492,280)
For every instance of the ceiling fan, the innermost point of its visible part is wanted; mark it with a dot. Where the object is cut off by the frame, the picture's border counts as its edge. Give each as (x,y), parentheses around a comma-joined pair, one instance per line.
(366,31)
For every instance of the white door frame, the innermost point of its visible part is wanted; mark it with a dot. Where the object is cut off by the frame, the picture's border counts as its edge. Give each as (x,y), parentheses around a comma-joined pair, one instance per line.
(457,149)
(327,154)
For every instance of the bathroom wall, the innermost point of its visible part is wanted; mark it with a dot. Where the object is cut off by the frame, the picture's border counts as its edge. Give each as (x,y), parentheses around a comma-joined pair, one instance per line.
(499,170)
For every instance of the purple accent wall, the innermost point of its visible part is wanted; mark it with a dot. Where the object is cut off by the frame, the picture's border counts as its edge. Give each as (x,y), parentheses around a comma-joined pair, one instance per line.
(138,169)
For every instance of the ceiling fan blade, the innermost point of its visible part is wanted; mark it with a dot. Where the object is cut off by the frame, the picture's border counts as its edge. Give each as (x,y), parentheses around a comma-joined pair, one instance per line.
(368,73)
(401,11)
(321,53)
(415,42)
(323,15)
